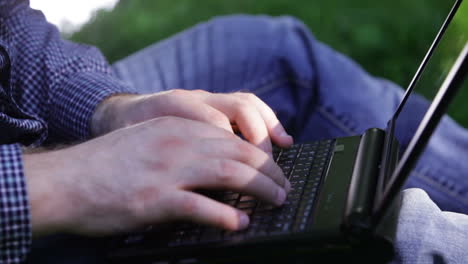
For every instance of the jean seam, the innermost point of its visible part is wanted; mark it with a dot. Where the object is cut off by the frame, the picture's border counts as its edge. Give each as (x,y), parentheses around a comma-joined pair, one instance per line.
(434,183)
(266,84)
(272,81)
(335,121)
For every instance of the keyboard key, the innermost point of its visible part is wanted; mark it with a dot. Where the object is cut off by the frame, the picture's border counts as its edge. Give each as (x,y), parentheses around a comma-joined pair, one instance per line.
(246,198)
(247,204)
(211,235)
(247,211)
(231,196)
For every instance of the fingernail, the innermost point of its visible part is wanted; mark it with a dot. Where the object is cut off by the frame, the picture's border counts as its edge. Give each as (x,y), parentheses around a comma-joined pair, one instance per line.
(243,220)
(289,138)
(279,130)
(284,134)
(270,154)
(287,186)
(280,196)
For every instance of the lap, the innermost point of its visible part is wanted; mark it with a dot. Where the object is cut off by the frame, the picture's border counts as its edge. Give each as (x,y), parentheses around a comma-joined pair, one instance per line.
(428,235)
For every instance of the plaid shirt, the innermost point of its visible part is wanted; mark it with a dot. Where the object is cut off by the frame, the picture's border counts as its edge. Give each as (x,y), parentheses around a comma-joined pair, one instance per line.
(49,88)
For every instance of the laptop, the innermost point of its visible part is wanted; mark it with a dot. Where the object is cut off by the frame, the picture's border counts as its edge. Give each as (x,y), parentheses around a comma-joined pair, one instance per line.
(344,201)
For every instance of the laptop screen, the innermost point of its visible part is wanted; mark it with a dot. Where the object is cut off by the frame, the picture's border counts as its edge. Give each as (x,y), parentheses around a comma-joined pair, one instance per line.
(409,116)
(418,114)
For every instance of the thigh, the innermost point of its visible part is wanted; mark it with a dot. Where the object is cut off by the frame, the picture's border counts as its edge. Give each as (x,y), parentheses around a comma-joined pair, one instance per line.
(315,91)
(442,170)
(226,54)
(425,234)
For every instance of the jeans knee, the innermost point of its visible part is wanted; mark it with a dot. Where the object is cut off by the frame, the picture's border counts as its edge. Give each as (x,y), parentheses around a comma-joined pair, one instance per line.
(268,28)
(272,44)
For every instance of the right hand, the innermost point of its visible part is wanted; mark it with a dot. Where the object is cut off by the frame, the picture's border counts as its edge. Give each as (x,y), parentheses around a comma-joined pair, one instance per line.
(145,174)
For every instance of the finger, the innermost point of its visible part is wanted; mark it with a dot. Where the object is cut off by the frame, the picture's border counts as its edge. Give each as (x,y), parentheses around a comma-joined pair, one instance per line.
(184,205)
(233,175)
(246,116)
(195,109)
(275,129)
(191,128)
(246,153)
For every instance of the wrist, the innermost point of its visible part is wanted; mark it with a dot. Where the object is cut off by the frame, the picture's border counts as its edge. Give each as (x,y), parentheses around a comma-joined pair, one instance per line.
(109,114)
(46,192)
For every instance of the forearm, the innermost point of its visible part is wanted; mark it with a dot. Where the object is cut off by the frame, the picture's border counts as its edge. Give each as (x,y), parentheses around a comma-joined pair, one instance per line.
(55,81)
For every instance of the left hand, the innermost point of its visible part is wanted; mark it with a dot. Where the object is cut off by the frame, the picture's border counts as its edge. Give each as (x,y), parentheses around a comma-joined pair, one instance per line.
(255,120)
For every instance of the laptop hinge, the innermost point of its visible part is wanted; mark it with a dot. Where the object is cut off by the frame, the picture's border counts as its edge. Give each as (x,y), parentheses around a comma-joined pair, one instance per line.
(363,183)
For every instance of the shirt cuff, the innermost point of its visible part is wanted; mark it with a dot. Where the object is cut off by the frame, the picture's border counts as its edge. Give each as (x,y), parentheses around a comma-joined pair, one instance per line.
(73,105)
(15,223)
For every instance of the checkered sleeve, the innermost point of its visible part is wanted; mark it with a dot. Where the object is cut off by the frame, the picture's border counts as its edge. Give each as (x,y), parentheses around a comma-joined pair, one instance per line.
(54,79)
(53,83)
(72,106)
(15,229)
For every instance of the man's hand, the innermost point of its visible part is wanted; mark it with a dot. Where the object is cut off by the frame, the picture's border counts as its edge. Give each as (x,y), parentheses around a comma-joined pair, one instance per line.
(255,120)
(146,174)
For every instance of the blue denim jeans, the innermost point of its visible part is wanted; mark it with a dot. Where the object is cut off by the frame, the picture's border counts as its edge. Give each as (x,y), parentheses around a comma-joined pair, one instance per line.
(318,93)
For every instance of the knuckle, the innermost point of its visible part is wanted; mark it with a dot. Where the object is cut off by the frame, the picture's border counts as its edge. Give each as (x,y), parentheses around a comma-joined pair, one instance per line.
(248,97)
(167,120)
(225,171)
(177,91)
(217,117)
(246,150)
(171,142)
(140,202)
(242,106)
(201,91)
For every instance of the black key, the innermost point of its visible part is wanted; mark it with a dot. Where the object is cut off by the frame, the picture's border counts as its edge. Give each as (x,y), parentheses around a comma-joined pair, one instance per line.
(211,234)
(134,239)
(230,196)
(276,228)
(285,162)
(247,211)
(235,235)
(247,204)
(264,207)
(246,198)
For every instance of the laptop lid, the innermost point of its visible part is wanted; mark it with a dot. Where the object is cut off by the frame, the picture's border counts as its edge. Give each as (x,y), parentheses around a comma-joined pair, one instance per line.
(448,53)
(396,129)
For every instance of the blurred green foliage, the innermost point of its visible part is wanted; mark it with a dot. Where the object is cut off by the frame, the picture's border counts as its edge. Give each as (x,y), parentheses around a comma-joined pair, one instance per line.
(387,37)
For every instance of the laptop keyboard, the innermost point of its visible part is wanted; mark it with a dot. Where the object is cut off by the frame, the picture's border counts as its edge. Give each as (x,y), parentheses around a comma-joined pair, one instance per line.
(303,164)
